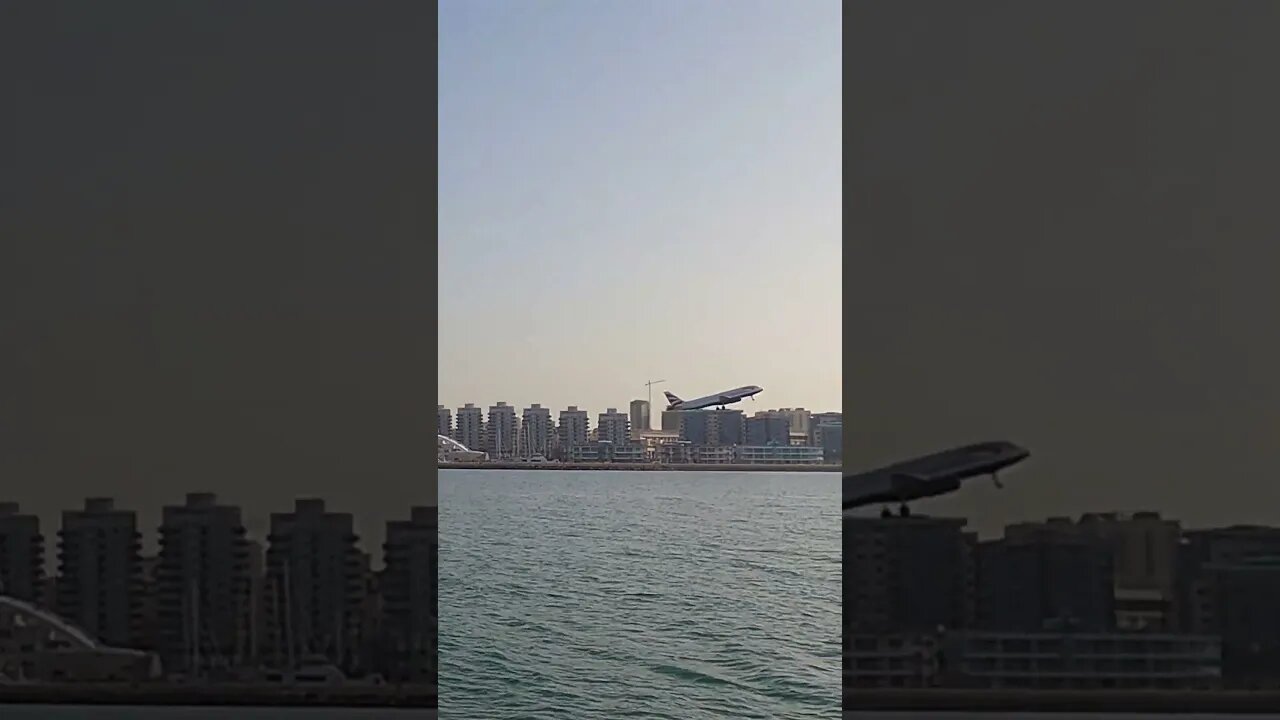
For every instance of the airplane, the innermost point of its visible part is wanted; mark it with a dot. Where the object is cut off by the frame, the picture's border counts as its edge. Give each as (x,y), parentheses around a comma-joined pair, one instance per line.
(450,450)
(727,397)
(930,475)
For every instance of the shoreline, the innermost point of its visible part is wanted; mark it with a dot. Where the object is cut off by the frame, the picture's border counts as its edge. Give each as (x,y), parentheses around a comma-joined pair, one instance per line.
(637,467)
(220,694)
(1203,702)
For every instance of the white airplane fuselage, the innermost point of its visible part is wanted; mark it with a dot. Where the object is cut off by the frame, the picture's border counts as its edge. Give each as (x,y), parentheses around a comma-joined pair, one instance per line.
(728,397)
(931,475)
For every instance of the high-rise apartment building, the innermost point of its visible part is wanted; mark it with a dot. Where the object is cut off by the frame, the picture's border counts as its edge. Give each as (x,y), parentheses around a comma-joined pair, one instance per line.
(1145,552)
(639,418)
(695,426)
(907,574)
(1215,566)
(730,427)
(1229,586)
(1043,578)
(470,428)
(817,420)
(829,435)
(257,600)
(203,585)
(409,597)
(799,418)
(613,426)
(575,428)
(673,421)
(444,421)
(538,431)
(315,585)
(769,428)
(21,554)
(1146,548)
(714,427)
(148,609)
(1228,545)
(100,584)
(502,431)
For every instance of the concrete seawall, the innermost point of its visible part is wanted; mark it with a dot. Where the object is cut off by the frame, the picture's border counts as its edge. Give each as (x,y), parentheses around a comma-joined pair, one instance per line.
(1065,701)
(652,467)
(383,696)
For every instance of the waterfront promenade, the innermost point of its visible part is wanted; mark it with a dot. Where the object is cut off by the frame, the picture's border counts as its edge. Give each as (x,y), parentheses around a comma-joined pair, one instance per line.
(913,701)
(652,467)
(220,694)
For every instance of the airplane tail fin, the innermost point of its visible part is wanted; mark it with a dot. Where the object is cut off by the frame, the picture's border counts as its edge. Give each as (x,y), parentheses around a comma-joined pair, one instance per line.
(671,398)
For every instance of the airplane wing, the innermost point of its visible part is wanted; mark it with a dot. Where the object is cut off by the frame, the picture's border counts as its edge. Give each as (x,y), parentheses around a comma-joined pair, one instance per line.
(863,489)
(876,488)
(929,475)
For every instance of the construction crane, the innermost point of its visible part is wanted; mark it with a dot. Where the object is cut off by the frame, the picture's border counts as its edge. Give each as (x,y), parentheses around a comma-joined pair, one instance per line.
(650,385)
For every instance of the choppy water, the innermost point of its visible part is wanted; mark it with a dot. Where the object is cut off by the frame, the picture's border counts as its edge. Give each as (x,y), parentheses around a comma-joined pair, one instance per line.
(124,712)
(603,595)
(64,712)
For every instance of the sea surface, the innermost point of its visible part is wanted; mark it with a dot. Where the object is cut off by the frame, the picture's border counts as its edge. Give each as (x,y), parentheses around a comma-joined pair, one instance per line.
(67,712)
(604,595)
(125,712)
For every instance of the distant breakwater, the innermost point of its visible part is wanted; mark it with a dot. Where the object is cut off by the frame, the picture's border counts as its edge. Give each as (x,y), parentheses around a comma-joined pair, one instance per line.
(224,694)
(652,467)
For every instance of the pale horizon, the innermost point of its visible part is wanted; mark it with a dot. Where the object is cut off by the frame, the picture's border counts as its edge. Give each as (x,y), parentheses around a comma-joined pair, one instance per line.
(637,191)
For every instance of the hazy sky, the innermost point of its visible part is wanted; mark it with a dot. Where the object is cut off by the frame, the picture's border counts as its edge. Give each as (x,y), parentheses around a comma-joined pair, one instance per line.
(1063,232)
(215,223)
(639,190)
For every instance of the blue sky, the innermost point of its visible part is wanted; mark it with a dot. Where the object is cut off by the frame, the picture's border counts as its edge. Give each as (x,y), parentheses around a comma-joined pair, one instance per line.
(639,189)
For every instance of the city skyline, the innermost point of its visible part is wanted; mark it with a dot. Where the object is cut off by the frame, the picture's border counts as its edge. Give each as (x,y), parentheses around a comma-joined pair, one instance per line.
(659,404)
(631,192)
(702,436)
(91,572)
(1186,601)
